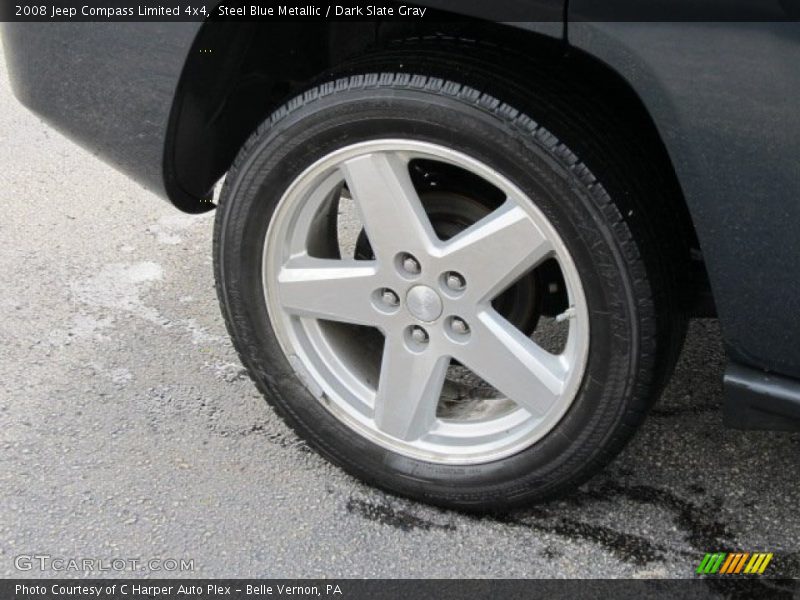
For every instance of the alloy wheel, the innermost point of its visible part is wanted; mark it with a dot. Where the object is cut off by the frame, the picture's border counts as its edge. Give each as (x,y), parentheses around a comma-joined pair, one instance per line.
(374,340)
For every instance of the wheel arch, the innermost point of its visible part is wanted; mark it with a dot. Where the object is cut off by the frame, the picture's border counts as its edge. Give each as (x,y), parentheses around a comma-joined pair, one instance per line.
(237,74)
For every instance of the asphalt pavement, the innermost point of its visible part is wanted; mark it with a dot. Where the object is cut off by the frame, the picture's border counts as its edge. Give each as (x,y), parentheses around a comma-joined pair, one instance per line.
(128,428)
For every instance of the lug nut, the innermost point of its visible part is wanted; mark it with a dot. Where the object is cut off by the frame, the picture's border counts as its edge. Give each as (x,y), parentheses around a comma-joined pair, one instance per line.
(389,297)
(459,326)
(455,281)
(410,264)
(419,335)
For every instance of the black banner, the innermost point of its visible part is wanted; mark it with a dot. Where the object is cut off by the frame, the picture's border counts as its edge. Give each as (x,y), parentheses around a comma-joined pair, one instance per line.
(349,589)
(427,10)
(267,10)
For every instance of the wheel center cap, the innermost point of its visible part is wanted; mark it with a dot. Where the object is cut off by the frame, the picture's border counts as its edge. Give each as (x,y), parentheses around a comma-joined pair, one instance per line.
(424,303)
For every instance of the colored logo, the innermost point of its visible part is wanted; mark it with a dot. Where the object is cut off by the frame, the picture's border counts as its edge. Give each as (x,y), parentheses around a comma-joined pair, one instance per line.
(734,563)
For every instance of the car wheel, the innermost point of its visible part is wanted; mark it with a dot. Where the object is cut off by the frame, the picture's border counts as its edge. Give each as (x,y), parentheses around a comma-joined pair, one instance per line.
(434,292)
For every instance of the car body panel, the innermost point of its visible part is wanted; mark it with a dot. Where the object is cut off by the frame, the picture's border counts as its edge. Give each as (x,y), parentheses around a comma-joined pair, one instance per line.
(724,99)
(108,86)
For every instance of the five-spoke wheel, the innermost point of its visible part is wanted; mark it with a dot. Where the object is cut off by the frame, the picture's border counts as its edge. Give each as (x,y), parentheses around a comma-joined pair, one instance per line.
(435,293)
(431,299)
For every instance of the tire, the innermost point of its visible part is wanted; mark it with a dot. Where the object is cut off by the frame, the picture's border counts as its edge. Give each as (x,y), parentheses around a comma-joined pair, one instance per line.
(619,377)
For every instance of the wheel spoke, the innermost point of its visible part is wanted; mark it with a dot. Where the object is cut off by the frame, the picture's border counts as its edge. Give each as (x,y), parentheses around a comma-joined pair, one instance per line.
(408,390)
(497,250)
(388,203)
(514,364)
(337,290)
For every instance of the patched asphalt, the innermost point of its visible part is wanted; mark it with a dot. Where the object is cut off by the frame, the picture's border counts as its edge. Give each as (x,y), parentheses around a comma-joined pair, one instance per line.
(128,428)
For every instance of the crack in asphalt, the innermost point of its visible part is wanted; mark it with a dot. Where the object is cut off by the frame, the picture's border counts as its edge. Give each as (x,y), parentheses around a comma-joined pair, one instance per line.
(627,547)
(398,518)
(701,533)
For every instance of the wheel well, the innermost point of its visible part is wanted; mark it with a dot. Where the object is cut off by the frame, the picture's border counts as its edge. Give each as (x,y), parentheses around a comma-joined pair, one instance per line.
(252,68)
(238,73)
